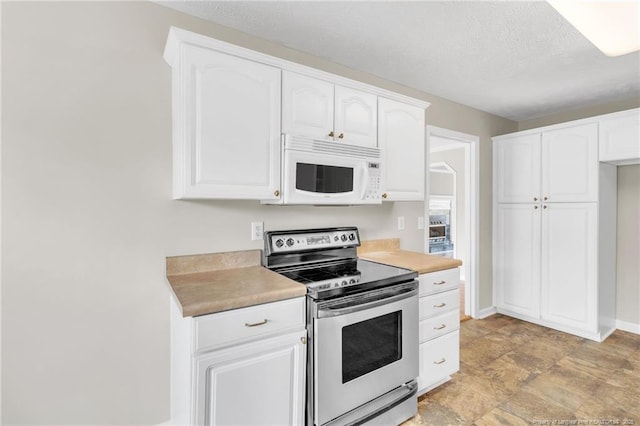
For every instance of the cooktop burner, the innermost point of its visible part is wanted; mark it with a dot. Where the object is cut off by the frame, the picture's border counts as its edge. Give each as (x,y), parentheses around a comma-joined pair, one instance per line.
(326,261)
(345,277)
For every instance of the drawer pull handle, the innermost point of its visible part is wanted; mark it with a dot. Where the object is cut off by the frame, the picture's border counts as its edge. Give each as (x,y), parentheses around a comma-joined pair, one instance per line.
(442,361)
(255,324)
(440,283)
(440,305)
(440,327)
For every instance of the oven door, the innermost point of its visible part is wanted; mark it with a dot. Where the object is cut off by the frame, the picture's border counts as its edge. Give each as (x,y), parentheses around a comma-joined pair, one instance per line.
(365,346)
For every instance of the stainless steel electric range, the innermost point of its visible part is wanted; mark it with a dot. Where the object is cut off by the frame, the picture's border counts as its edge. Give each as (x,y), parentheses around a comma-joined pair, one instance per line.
(362,322)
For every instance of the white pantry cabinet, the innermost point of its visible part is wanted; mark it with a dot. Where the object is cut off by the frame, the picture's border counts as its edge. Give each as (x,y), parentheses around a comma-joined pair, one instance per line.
(226,125)
(255,375)
(439,315)
(554,229)
(322,110)
(554,166)
(620,137)
(401,135)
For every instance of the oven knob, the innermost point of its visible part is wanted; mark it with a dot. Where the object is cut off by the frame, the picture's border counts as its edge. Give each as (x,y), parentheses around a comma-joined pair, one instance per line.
(279,242)
(344,283)
(290,242)
(352,281)
(343,237)
(336,238)
(352,237)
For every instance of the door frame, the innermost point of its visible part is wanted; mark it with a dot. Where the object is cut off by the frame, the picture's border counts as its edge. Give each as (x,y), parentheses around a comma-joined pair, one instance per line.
(472,184)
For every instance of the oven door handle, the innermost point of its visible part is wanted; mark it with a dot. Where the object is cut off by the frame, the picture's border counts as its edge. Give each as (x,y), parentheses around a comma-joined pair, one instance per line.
(326,312)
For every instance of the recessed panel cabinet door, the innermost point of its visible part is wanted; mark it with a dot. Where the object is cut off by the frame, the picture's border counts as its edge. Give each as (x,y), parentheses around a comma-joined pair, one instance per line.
(518,171)
(517,258)
(401,135)
(619,140)
(229,145)
(569,265)
(570,164)
(307,106)
(252,384)
(356,117)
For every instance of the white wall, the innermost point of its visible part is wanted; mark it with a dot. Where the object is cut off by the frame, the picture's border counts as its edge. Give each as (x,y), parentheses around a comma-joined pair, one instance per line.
(87,214)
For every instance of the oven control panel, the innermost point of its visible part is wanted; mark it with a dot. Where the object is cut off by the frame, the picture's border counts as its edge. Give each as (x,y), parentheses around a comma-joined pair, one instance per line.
(283,242)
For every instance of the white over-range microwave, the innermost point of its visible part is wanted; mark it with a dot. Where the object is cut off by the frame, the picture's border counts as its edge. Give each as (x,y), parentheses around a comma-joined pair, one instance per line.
(330,173)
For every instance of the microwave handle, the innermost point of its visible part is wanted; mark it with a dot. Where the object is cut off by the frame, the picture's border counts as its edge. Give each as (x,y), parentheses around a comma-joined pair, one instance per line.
(365,181)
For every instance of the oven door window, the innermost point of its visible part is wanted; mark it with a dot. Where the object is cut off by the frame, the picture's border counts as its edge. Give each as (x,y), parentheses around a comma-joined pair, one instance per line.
(323,179)
(371,344)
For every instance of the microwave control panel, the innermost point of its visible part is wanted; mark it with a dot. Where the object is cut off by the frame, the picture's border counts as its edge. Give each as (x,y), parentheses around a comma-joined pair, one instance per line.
(374,185)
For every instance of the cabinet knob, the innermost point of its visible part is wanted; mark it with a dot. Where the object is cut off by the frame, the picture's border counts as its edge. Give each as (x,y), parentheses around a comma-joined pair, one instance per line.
(535,207)
(535,198)
(331,133)
(546,198)
(440,327)
(440,283)
(384,195)
(442,360)
(341,136)
(440,305)
(544,207)
(303,340)
(276,193)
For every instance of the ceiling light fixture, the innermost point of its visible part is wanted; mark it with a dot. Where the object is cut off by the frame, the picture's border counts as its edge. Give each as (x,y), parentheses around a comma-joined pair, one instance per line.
(611,26)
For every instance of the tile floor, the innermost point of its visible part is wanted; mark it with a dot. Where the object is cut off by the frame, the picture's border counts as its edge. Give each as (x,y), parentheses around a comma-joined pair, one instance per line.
(517,373)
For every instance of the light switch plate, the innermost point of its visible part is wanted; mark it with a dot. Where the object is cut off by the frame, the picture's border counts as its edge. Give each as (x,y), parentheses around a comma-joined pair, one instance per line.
(400,223)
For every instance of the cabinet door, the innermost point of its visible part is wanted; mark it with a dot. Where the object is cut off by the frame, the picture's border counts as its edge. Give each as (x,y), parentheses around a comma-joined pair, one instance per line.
(229,146)
(307,106)
(569,265)
(251,384)
(570,164)
(356,117)
(619,138)
(517,258)
(517,169)
(401,136)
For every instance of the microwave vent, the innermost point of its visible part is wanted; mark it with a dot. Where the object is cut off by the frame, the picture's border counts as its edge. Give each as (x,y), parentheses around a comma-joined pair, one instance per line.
(340,148)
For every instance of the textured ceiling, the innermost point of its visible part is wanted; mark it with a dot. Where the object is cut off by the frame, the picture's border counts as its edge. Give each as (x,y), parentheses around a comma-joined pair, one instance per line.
(516,59)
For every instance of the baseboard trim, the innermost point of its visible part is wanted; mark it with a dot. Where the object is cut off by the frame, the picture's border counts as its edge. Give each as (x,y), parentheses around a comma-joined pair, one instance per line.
(486,312)
(628,326)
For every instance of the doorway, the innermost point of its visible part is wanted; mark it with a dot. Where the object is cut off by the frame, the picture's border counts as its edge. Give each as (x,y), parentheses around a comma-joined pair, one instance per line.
(459,151)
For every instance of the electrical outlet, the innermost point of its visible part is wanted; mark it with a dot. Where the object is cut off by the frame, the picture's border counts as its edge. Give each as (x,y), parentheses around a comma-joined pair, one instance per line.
(257,231)
(420,222)
(400,223)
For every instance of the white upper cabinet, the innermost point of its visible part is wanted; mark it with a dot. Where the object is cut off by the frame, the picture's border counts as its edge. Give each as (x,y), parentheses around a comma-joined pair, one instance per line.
(226,113)
(553,166)
(318,109)
(356,117)
(401,135)
(620,138)
(570,164)
(307,106)
(518,177)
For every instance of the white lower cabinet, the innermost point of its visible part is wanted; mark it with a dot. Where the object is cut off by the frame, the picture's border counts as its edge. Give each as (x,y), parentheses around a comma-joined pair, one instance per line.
(257,379)
(439,313)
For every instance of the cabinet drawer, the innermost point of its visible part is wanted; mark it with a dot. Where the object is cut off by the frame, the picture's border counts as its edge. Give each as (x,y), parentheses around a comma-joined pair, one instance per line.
(439,358)
(439,303)
(238,325)
(436,282)
(431,328)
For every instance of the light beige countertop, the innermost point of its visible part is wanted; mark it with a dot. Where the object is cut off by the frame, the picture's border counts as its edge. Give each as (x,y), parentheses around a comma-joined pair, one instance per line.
(209,283)
(388,251)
